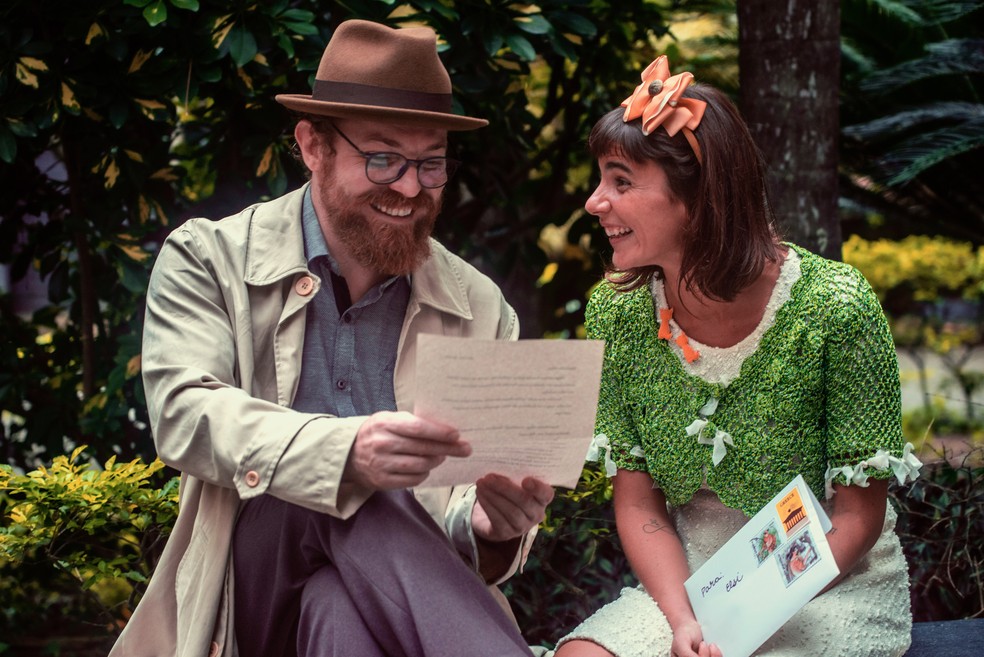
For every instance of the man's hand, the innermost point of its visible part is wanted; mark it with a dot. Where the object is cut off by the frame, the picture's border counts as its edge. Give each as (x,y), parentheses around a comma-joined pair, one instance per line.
(398,450)
(507,510)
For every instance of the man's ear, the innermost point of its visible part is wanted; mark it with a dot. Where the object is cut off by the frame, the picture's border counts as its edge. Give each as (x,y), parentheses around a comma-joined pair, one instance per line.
(312,145)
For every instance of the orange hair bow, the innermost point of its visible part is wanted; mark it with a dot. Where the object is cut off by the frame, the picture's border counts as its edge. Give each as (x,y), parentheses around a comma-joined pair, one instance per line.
(658,100)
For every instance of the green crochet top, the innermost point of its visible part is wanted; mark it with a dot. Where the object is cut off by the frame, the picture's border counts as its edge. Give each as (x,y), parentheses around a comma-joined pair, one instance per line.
(816,392)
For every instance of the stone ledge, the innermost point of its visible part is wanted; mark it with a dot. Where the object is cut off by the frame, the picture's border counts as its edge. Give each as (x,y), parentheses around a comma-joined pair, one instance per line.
(955,638)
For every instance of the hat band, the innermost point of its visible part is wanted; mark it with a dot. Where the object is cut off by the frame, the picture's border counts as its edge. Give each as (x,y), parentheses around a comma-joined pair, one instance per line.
(366,94)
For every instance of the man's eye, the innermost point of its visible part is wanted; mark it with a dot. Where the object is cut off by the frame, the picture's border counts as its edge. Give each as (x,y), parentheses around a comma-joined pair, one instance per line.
(434,165)
(385,161)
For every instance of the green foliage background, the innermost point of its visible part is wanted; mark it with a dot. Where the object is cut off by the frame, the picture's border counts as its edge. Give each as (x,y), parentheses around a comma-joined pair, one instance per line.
(120,119)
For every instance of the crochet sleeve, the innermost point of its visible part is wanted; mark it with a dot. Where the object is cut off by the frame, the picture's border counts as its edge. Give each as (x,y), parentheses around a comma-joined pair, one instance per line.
(616,436)
(864,407)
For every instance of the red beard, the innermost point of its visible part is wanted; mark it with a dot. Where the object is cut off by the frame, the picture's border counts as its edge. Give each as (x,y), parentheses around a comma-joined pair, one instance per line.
(391,248)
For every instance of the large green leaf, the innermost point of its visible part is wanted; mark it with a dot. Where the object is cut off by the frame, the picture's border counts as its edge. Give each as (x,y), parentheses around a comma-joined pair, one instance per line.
(533,23)
(242,44)
(155,12)
(521,46)
(569,21)
(8,145)
(951,57)
(894,124)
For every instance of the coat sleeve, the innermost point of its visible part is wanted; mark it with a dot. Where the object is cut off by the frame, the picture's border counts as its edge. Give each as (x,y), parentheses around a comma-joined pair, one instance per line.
(205,421)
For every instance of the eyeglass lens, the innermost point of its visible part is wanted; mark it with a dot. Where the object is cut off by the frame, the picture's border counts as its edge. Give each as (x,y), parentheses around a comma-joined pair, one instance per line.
(383,168)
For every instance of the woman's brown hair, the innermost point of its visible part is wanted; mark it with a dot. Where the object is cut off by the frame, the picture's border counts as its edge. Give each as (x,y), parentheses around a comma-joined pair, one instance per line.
(731,232)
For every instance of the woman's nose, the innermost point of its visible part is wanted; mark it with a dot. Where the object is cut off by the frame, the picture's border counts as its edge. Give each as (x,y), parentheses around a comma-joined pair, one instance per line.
(597,204)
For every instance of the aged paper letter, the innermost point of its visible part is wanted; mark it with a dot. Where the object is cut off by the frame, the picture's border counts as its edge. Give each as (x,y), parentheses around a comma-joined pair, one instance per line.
(527,408)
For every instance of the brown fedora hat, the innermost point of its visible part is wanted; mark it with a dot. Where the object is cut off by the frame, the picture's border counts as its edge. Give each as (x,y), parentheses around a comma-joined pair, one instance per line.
(371,71)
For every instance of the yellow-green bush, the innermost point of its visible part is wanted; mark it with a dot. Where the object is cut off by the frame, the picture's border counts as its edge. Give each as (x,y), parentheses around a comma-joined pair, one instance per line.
(78,541)
(927,267)
(932,290)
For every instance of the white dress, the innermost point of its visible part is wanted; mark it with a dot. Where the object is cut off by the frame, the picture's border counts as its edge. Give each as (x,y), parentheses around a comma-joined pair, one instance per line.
(866,613)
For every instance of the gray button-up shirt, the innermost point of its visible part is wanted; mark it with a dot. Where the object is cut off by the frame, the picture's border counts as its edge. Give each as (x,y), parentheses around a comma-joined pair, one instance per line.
(349,353)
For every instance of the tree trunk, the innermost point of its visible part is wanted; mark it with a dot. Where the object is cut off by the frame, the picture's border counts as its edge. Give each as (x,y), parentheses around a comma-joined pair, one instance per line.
(87,297)
(789,63)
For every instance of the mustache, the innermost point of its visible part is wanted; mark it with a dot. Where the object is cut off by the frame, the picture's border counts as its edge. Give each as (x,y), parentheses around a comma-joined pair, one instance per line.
(389,198)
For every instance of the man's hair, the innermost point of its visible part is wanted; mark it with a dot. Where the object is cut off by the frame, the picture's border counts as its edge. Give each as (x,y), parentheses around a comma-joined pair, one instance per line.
(731,233)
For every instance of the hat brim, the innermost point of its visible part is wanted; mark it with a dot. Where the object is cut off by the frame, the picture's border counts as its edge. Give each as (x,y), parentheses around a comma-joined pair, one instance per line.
(417,118)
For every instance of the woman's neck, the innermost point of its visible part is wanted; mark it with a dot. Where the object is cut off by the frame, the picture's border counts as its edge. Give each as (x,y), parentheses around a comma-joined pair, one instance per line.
(719,323)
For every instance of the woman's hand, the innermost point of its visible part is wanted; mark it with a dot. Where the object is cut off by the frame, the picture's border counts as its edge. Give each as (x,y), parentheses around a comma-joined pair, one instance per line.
(688,641)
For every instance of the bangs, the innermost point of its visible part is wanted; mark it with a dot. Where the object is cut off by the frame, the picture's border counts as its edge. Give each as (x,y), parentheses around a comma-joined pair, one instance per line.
(613,136)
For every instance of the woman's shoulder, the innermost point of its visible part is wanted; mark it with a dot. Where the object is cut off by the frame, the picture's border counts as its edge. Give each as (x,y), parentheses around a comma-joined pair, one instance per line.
(831,287)
(607,304)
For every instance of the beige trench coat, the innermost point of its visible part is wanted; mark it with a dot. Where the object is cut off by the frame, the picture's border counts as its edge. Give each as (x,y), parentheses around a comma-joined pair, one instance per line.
(222,349)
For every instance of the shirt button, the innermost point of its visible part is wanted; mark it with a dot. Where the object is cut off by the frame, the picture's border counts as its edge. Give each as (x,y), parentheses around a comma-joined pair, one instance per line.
(304,285)
(341,384)
(252,478)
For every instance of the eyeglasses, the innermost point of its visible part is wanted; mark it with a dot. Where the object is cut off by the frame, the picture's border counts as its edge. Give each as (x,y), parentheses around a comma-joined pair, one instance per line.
(384,168)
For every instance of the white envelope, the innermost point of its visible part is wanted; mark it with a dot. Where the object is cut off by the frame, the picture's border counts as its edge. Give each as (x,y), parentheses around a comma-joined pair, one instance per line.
(765,573)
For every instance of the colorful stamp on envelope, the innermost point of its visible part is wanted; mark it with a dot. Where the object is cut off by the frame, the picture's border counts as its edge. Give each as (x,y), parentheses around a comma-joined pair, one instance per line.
(766,542)
(797,557)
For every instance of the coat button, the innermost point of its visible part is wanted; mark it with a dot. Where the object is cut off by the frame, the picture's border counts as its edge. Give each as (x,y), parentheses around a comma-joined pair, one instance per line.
(304,285)
(213,650)
(252,478)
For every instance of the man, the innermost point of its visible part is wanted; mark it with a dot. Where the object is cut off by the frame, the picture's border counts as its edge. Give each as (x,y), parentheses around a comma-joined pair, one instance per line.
(278,360)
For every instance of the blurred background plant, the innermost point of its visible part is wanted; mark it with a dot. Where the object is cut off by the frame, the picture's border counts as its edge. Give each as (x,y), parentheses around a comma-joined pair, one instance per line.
(78,543)
(941,521)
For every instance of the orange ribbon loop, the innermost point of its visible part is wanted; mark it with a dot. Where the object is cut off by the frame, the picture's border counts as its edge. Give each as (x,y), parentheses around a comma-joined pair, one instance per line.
(659,101)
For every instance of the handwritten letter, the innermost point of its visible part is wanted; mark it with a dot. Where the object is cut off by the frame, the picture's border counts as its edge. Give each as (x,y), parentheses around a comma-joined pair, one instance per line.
(527,407)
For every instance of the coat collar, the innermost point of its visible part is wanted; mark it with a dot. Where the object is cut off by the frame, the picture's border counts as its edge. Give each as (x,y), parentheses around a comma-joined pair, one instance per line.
(275,250)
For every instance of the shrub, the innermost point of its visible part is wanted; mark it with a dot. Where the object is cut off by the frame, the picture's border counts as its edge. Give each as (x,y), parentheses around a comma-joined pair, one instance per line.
(78,543)
(941,521)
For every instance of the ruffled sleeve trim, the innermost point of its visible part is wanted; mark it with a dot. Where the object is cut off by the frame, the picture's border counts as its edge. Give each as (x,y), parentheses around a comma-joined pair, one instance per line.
(601,450)
(906,469)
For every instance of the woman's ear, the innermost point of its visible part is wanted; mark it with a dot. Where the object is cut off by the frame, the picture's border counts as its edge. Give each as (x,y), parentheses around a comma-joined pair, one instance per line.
(312,145)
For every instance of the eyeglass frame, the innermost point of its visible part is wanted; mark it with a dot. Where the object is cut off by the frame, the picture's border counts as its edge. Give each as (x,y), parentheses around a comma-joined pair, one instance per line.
(451,164)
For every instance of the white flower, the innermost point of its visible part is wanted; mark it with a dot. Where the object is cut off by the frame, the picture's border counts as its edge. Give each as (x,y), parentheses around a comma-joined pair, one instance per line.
(708,409)
(880,460)
(696,427)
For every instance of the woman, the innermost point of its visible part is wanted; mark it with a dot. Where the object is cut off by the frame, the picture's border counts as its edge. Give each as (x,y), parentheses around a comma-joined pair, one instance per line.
(733,362)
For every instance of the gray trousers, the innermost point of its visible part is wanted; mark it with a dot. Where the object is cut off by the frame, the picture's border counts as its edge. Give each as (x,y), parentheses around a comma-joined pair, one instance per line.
(386,582)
